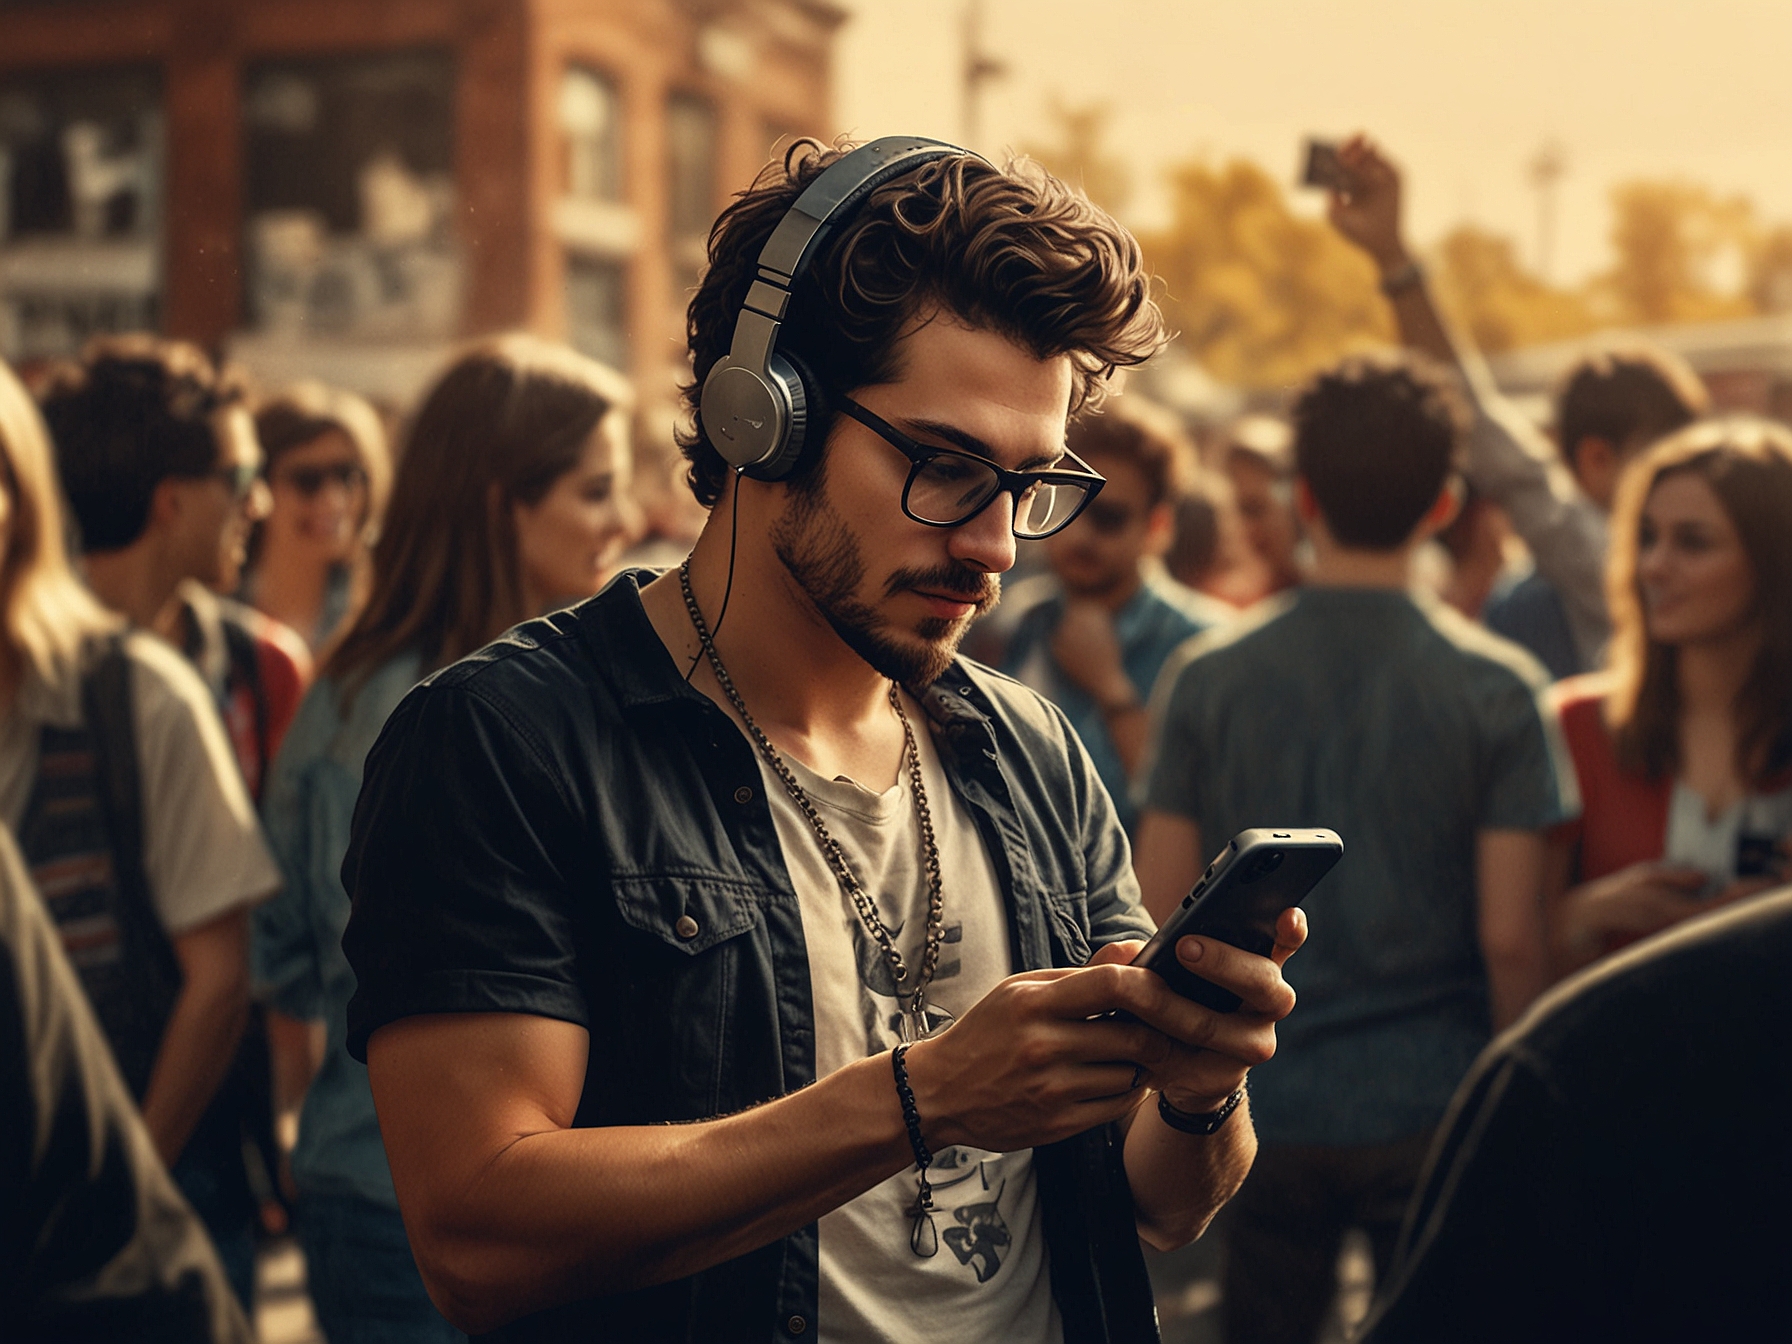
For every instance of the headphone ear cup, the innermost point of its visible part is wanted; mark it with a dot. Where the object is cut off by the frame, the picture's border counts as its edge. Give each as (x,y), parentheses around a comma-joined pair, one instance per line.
(808,410)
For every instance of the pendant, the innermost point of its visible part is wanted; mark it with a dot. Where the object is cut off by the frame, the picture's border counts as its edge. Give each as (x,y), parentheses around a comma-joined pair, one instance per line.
(923,1236)
(912,1026)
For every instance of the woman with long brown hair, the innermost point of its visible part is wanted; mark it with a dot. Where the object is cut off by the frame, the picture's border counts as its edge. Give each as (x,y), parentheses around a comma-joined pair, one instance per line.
(511,499)
(1683,747)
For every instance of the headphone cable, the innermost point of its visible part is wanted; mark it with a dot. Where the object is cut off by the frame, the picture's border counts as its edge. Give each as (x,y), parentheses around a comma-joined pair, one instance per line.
(728,588)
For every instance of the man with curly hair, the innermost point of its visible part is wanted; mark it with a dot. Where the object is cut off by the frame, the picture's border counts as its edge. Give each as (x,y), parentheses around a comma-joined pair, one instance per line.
(735,961)
(1352,704)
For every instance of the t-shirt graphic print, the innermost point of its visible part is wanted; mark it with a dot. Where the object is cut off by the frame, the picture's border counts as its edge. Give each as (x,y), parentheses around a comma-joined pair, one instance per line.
(978,1270)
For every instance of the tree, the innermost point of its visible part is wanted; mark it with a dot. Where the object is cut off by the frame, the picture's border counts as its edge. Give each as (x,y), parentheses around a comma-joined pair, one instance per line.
(1668,238)
(1080,156)
(1487,292)
(1261,296)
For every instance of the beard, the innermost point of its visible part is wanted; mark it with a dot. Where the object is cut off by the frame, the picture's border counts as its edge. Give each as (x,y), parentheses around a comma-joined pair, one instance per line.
(823,556)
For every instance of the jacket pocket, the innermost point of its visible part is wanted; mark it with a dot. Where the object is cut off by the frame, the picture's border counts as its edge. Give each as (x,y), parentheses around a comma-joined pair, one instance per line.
(691,914)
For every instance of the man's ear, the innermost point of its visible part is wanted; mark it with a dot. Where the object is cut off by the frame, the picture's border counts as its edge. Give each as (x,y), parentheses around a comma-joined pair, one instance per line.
(1594,461)
(167,504)
(1305,506)
(1445,507)
(1160,528)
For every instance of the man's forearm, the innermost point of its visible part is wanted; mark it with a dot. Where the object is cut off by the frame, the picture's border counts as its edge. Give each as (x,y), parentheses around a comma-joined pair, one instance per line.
(561,1214)
(1179,1181)
(197,1049)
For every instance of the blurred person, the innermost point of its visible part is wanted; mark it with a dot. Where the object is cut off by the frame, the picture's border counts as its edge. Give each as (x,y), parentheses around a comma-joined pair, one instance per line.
(672,519)
(161,467)
(328,471)
(1608,407)
(1571,1196)
(1208,553)
(118,781)
(511,498)
(1684,747)
(132,422)
(660,903)
(1093,642)
(1259,464)
(1475,544)
(1417,737)
(96,1243)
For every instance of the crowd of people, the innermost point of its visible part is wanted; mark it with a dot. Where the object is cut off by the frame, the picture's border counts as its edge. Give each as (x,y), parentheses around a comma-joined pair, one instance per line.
(586,954)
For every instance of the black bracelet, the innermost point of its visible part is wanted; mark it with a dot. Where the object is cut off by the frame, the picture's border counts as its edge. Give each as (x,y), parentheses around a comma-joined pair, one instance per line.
(1204,1122)
(923,1241)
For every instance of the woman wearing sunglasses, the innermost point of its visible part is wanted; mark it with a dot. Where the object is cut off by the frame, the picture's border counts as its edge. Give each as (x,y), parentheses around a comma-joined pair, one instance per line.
(328,471)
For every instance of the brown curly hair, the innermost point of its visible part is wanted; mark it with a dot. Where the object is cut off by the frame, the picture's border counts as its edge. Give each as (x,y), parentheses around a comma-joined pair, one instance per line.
(1013,251)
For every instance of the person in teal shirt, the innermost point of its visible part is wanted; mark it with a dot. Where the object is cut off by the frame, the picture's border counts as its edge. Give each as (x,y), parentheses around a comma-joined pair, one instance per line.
(1092,635)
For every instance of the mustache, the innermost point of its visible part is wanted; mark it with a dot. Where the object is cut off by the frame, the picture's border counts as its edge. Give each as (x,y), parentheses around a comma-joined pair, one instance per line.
(972,585)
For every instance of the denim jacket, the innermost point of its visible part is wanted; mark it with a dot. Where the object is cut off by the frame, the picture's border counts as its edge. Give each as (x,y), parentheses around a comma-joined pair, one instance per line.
(541,824)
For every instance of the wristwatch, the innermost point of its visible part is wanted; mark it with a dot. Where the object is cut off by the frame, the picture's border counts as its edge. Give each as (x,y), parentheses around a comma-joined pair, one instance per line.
(1203,1122)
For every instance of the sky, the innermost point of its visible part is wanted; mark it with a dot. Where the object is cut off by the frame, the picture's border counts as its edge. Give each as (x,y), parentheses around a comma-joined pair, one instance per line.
(1461,92)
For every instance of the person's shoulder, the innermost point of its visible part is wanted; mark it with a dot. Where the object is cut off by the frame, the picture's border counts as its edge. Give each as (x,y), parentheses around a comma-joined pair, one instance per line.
(1481,657)
(161,676)
(1194,610)
(1251,637)
(1727,965)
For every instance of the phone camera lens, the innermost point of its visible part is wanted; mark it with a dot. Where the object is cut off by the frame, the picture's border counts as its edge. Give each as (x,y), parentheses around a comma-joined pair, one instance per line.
(1265,864)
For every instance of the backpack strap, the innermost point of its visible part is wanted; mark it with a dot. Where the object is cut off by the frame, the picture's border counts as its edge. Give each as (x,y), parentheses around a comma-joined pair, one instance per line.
(107,706)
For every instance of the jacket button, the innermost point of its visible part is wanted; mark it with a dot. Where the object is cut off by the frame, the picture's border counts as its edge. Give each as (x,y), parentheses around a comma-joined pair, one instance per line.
(796,1325)
(743,795)
(686,927)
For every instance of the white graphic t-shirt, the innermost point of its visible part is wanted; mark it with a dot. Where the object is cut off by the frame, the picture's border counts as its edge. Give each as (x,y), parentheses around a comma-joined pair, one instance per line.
(987,1275)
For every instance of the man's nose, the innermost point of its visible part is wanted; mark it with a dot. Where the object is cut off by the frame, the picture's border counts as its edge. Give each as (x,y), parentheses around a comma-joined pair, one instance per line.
(986,542)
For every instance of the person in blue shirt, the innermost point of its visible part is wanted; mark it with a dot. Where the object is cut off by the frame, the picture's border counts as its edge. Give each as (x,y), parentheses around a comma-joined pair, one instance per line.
(1092,634)
(510,500)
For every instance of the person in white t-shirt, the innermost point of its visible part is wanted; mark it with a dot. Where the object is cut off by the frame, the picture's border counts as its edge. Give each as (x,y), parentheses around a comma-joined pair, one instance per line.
(117,777)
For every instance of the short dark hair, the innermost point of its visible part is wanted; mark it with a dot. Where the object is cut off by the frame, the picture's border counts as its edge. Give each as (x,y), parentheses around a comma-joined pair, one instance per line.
(133,412)
(1375,439)
(1140,433)
(1013,251)
(1626,392)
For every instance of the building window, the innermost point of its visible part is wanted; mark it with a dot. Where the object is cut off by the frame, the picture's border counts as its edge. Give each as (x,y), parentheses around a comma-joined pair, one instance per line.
(349,196)
(591,121)
(691,153)
(597,308)
(81,192)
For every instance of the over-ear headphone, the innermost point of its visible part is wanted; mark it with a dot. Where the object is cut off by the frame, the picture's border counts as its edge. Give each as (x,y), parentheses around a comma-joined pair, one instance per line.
(757,405)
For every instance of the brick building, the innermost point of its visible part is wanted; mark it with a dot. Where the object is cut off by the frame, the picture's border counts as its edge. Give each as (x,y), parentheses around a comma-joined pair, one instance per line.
(342,189)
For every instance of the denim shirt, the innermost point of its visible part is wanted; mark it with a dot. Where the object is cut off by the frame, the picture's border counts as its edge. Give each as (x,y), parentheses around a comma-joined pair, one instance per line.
(296,938)
(560,825)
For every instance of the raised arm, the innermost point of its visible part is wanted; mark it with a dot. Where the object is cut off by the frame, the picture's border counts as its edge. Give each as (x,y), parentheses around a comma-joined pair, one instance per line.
(1510,460)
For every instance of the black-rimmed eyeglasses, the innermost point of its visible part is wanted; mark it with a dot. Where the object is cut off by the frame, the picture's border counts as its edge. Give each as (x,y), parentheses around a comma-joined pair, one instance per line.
(946,487)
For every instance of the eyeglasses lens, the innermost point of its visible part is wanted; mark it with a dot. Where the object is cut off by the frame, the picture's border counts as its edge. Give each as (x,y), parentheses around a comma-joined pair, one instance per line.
(950,488)
(1046,508)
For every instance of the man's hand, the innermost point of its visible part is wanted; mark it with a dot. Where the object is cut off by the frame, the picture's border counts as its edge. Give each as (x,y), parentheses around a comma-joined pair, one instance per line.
(1036,1060)
(1088,652)
(1368,214)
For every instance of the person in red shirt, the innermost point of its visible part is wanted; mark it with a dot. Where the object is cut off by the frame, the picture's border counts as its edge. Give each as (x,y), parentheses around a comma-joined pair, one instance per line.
(1683,746)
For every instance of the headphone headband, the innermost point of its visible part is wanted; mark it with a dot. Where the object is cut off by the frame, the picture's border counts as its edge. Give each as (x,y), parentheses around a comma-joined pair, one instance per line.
(754,410)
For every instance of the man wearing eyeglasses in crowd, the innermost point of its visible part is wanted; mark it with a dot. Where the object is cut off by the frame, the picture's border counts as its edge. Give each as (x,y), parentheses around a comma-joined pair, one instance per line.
(1109,618)
(721,942)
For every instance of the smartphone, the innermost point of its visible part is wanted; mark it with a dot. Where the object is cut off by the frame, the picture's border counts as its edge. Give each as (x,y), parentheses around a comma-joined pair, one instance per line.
(1323,167)
(1238,900)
